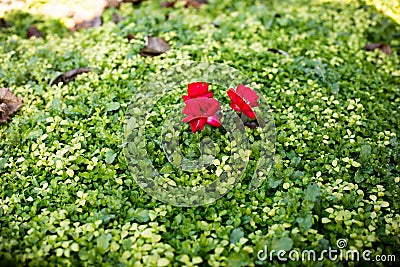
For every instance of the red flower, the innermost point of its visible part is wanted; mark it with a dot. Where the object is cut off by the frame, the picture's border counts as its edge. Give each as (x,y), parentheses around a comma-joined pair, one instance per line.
(243,99)
(198,89)
(201,111)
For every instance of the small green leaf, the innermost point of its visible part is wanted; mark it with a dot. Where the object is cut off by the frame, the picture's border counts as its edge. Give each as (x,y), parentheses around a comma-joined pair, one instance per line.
(236,235)
(238,259)
(112,106)
(110,156)
(35,134)
(147,233)
(177,159)
(284,243)
(365,152)
(103,242)
(305,223)
(167,168)
(56,104)
(358,177)
(140,215)
(3,162)
(163,262)
(312,192)
(274,183)
(75,247)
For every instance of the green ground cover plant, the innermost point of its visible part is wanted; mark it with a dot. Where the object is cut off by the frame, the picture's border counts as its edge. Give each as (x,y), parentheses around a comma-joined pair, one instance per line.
(67,197)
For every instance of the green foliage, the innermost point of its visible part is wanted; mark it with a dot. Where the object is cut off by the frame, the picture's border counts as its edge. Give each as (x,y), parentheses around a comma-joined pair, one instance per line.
(68,199)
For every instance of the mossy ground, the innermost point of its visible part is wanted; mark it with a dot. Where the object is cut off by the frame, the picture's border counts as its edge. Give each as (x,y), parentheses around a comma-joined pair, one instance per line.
(67,198)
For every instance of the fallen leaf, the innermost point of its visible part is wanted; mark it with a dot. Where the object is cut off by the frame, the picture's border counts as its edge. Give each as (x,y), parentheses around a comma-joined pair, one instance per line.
(278,51)
(70,75)
(130,36)
(9,104)
(168,4)
(112,3)
(4,113)
(86,24)
(116,18)
(385,48)
(188,3)
(195,3)
(155,46)
(33,32)
(136,2)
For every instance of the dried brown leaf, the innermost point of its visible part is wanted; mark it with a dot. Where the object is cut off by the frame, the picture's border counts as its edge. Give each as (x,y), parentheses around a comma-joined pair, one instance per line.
(168,4)
(188,3)
(116,18)
(136,2)
(33,32)
(155,46)
(9,104)
(86,24)
(130,36)
(4,113)
(70,75)
(385,48)
(278,51)
(112,3)
(117,3)
(195,3)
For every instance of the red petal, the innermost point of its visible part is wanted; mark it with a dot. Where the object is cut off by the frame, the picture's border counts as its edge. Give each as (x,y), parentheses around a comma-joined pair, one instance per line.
(209,95)
(202,106)
(239,104)
(212,106)
(250,113)
(247,94)
(192,108)
(194,125)
(198,89)
(234,106)
(232,94)
(213,121)
(188,118)
(246,109)
(201,111)
(197,124)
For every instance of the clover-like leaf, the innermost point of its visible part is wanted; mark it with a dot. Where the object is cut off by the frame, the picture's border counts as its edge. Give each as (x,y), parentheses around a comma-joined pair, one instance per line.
(103,243)
(284,243)
(236,235)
